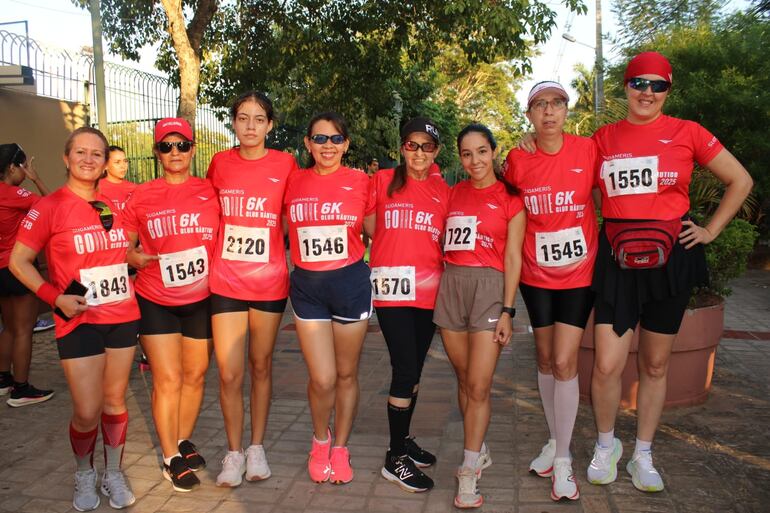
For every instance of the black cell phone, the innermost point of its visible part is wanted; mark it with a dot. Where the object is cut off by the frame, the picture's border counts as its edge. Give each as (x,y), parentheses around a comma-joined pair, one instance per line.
(75,288)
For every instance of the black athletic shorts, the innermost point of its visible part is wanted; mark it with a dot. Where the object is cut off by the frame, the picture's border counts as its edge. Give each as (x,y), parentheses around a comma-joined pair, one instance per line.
(224,304)
(567,306)
(192,321)
(92,339)
(659,315)
(10,285)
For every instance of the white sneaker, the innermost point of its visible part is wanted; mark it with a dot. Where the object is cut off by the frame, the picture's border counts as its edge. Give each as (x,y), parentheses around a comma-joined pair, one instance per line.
(484,461)
(233,467)
(563,483)
(543,464)
(643,473)
(85,497)
(256,464)
(115,487)
(468,495)
(604,465)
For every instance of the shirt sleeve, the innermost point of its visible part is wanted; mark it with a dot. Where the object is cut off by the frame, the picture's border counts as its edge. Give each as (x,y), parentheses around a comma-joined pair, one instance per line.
(35,229)
(129,214)
(706,146)
(371,197)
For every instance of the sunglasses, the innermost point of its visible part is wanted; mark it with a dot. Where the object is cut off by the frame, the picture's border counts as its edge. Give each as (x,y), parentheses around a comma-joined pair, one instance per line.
(181,146)
(428,147)
(657,86)
(105,213)
(321,139)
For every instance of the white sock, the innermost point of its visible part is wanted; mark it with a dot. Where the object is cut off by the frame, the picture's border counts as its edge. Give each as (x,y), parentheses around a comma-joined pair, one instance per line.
(484,447)
(606,440)
(545,385)
(180,441)
(566,397)
(233,453)
(167,461)
(641,445)
(470,458)
(322,442)
(259,446)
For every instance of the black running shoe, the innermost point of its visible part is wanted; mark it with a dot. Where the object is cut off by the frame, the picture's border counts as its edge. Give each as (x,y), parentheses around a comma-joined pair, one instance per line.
(6,382)
(182,478)
(26,395)
(419,456)
(402,471)
(192,459)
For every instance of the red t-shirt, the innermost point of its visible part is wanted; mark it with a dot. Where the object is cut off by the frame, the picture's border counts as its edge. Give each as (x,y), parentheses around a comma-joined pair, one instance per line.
(117,192)
(477,225)
(561,238)
(77,247)
(14,204)
(178,222)
(249,262)
(406,257)
(645,170)
(325,215)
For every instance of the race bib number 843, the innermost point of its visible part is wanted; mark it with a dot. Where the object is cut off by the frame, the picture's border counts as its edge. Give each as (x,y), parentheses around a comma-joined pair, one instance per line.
(637,175)
(106,284)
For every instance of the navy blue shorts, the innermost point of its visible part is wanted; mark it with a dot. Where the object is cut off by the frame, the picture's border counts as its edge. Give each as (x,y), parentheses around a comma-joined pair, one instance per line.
(343,295)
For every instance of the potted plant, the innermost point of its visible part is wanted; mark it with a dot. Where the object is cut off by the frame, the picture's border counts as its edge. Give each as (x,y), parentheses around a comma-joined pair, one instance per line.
(692,359)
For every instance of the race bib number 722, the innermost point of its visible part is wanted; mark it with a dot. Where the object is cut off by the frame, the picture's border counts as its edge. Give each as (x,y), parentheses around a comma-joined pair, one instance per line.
(637,175)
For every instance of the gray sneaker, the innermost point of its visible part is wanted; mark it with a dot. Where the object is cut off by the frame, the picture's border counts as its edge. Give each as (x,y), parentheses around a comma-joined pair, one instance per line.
(115,486)
(85,498)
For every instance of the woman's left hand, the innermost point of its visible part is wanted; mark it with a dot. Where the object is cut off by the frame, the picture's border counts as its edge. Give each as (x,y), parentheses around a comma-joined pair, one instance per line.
(504,329)
(29,169)
(694,234)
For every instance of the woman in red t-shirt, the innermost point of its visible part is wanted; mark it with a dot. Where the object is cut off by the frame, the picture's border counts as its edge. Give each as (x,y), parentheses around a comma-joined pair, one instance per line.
(174,219)
(556,183)
(114,184)
(249,279)
(474,308)
(18,306)
(646,162)
(407,262)
(96,322)
(330,291)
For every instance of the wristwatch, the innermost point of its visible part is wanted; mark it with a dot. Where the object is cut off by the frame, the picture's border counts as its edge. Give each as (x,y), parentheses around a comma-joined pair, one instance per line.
(510,311)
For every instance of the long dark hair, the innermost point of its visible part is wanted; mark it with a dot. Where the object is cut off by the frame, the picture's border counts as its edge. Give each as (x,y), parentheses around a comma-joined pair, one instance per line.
(487,133)
(10,154)
(332,117)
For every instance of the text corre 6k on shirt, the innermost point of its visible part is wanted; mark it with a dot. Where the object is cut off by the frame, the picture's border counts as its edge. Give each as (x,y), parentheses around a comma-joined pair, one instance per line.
(477,225)
(77,247)
(325,215)
(179,223)
(117,192)
(15,202)
(249,262)
(561,238)
(406,257)
(645,170)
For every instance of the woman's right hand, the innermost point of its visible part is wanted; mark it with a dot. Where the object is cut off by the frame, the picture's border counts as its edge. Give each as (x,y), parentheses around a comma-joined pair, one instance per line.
(71,305)
(138,259)
(528,143)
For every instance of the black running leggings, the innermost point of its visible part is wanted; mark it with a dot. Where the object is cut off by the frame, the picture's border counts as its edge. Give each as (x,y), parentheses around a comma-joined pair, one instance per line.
(408,333)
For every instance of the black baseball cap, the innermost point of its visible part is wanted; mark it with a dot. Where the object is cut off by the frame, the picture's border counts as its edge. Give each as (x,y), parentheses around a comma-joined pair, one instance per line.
(424,125)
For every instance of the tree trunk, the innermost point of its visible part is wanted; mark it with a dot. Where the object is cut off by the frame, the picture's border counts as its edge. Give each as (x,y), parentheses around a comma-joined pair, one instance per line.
(187,44)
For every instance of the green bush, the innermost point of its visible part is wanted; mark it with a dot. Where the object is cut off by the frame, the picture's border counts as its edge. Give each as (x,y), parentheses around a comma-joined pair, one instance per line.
(726,257)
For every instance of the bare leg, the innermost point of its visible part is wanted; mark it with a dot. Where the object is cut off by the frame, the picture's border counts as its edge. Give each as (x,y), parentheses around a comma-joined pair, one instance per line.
(457,347)
(230,332)
(263,329)
(316,339)
(483,355)
(611,353)
(164,353)
(348,341)
(195,363)
(654,354)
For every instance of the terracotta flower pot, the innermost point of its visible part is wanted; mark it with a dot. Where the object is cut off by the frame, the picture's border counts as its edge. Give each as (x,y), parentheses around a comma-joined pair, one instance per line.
(691,366)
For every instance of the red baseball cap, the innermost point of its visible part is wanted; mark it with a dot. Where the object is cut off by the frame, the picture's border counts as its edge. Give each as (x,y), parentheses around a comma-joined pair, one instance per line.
(648,63)
(173,126)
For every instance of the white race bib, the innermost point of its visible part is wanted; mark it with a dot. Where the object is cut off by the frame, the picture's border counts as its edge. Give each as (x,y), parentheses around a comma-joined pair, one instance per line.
(460,234)
(323,243)
(556,249)
(393,283)
(246,244)
(638,175)
(106,284)
(184,267)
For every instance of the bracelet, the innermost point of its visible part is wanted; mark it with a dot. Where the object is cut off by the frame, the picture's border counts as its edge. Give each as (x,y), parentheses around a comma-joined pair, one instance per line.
(47,293)
(510,311)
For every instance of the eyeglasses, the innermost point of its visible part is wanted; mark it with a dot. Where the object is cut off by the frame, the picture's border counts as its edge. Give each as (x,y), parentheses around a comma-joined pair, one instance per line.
(556,104)
(181,146)
(105,213)
(321,139)
(641,84)
(428,147)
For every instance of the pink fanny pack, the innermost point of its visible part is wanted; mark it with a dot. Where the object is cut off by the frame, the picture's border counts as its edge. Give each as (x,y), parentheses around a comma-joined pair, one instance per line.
(642,244)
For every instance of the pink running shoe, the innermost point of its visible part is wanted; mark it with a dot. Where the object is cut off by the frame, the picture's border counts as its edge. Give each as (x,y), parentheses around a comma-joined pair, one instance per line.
(342,472)
(318,465)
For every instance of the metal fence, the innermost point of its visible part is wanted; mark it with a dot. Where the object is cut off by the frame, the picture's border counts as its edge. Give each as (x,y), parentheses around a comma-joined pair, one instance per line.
(136,100)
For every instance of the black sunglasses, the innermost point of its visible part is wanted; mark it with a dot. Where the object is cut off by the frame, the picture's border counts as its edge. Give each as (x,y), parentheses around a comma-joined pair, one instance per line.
(166,147)
(641,84)
(321,139)
(427,147)
(105,213)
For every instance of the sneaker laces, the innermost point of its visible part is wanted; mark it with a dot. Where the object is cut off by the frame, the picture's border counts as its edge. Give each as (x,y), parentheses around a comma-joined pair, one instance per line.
(467,481)
(230,461)
(116,481)
(643,462)
(85,480)
(601,457)
(256,452)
